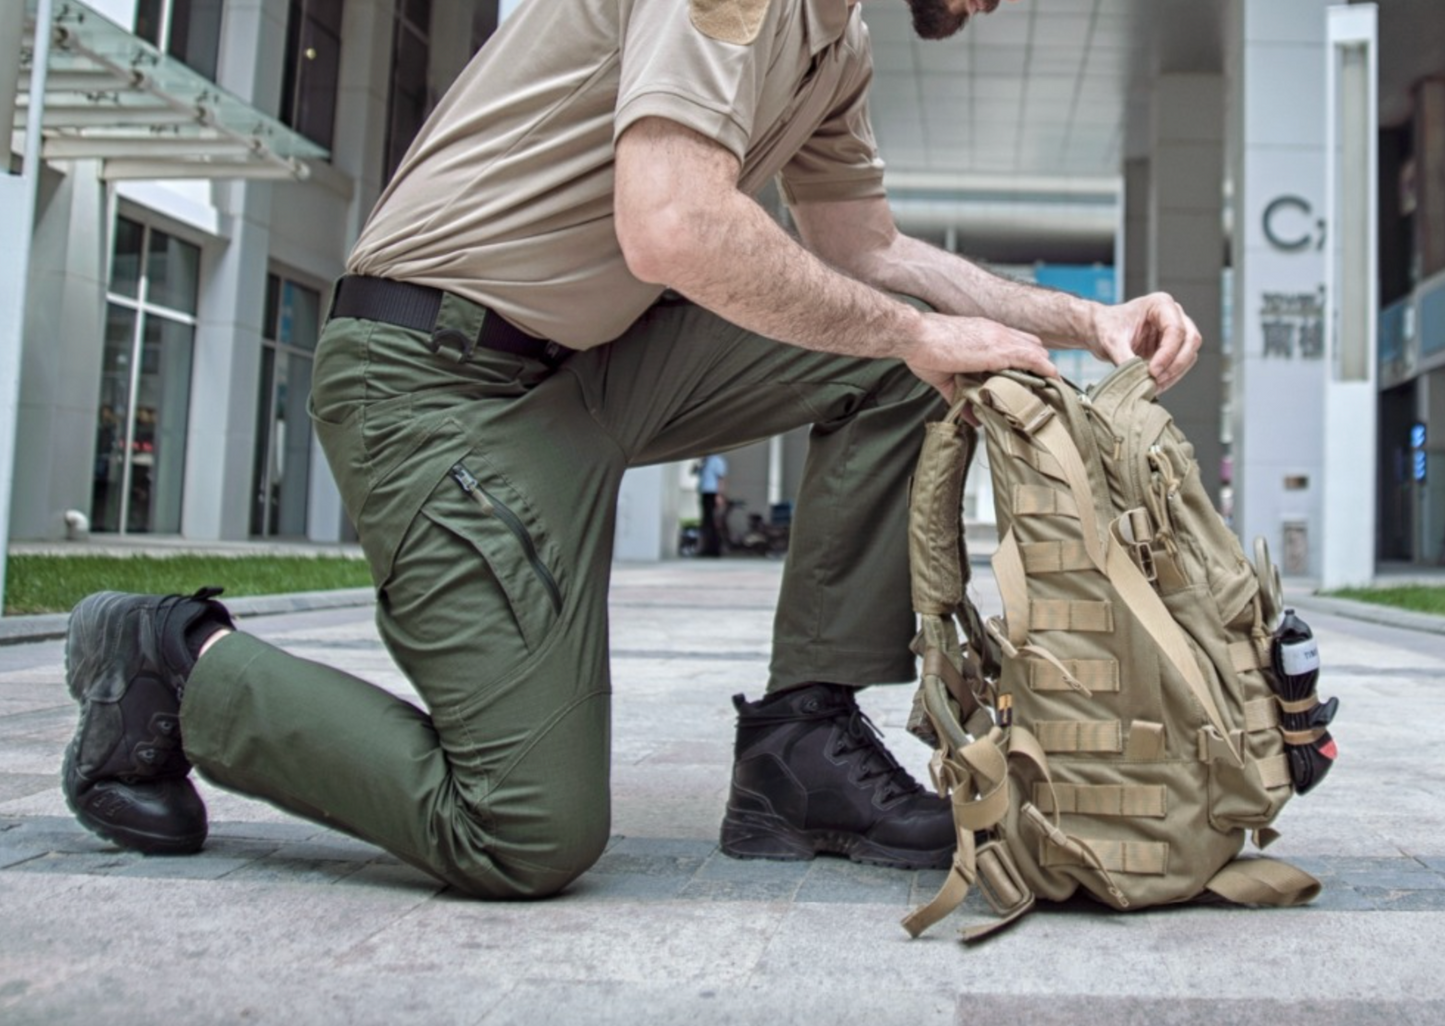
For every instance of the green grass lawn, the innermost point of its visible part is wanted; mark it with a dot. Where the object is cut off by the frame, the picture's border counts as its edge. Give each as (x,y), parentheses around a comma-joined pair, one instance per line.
(52,584)
(1420,598)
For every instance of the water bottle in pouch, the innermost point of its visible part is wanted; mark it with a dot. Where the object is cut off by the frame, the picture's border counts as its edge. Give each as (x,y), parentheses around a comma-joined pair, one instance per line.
(1308,744)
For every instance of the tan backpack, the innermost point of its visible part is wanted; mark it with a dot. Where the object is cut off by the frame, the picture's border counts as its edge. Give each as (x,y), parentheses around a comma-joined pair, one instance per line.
(1116,730)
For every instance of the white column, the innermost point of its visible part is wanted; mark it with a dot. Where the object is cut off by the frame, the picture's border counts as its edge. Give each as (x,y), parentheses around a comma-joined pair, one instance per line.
(1186,244)
(1277,132)
(222,436)
(646,506)
(1131,248)
(17,218)
(60,369)
(1351,290)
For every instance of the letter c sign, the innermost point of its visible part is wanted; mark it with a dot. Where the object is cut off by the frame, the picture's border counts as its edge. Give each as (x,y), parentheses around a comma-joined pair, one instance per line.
(1286,224)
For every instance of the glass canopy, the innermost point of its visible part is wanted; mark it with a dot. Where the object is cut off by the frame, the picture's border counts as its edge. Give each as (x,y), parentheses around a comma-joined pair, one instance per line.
(113,97)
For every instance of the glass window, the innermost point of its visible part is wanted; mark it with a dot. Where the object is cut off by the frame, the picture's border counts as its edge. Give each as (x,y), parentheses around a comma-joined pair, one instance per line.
(125,264)
(173,269)
(162,409)
(312,68)
(484,23)
(145,388)
(282,464)
(113,420)
(410,96)
(188,30)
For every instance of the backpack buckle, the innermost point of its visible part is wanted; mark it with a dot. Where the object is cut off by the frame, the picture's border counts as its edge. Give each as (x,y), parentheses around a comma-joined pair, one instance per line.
(1144,560)
(999,881)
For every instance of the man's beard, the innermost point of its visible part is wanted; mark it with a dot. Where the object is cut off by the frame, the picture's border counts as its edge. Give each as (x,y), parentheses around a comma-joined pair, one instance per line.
(933,20)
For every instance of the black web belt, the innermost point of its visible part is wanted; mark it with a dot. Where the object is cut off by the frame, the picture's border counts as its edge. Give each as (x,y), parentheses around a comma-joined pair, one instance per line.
(416,308)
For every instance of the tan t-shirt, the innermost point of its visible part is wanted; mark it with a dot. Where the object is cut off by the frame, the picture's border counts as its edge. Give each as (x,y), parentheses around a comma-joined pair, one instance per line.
(505,197)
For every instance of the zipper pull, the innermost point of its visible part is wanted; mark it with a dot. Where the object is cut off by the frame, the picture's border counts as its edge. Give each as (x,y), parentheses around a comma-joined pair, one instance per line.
(469,486)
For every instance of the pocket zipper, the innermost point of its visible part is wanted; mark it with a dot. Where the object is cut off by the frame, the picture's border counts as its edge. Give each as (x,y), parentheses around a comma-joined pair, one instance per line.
(490,506)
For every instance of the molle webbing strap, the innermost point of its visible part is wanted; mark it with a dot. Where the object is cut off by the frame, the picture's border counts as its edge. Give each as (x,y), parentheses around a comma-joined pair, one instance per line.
(935,522)
(1055,557)
(1274,772)
(1140,858)
(1043,501)
(1148,801)
(1061,615)
(1261,714)
(1030,456)
(1080,735)
(1248,655)
(1146,742)
(1095,675)
(1261,881)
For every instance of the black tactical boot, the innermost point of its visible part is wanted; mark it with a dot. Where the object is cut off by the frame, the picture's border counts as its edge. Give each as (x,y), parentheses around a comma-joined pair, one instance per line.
(127,658)
(811,775)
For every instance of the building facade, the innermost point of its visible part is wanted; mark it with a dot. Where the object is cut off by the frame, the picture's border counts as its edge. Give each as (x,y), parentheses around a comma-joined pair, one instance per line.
(175,298)
(176,287)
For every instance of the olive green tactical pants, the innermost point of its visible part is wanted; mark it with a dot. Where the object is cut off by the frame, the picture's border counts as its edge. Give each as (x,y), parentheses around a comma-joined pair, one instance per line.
(484,493)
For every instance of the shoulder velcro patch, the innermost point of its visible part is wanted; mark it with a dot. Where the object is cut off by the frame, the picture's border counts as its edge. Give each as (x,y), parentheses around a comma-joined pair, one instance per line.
(729,21)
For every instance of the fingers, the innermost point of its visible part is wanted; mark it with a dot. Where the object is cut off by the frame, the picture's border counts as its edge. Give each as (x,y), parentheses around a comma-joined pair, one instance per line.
(995,347)
(973,345)
(1176,341)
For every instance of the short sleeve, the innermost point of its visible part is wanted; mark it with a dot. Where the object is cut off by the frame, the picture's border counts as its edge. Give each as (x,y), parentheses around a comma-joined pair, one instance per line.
(672,69)
(840,161)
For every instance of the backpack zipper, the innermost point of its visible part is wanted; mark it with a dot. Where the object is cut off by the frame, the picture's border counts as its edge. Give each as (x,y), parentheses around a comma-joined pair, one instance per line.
(491,506)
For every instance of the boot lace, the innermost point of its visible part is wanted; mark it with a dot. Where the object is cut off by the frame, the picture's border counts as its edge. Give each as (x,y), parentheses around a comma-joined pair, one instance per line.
(877,762)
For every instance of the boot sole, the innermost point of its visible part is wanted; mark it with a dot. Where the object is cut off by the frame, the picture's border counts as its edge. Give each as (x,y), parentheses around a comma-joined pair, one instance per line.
(133,840)
(759,835)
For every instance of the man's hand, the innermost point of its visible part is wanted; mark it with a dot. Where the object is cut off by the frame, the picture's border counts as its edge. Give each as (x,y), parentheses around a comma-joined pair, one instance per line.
(1154,327)
(860,237)
(973,345)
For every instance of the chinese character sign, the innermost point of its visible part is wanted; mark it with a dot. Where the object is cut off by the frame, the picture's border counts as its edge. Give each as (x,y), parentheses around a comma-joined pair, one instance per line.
(1293,324)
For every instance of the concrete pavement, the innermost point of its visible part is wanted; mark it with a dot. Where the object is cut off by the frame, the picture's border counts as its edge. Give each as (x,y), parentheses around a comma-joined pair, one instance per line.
(280,921)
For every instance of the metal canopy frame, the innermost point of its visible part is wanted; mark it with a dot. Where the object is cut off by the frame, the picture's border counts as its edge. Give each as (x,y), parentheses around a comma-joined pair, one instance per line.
(113,97)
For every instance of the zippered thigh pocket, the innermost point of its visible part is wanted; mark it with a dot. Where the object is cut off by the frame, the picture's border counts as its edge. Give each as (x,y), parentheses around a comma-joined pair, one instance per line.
(487,511)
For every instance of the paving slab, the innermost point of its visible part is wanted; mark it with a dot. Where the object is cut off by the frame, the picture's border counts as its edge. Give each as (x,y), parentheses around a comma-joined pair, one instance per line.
(282,921)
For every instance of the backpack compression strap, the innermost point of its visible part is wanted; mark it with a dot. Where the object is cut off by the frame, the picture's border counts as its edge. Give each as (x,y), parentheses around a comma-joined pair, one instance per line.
(1262,881)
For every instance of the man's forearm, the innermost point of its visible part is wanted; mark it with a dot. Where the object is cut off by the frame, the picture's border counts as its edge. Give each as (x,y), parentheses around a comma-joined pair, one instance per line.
(860,237)
(735,260)
(956,285)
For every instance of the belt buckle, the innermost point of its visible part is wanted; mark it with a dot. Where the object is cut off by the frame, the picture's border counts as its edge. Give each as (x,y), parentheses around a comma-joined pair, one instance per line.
(466,344)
